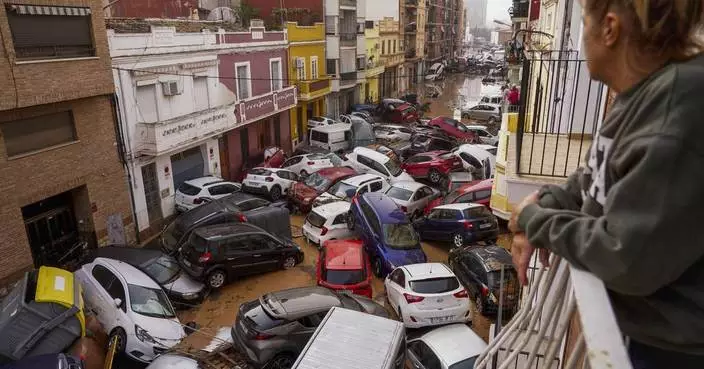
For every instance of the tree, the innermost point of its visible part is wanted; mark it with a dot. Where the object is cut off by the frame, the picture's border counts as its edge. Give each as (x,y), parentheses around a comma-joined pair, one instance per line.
(247,13)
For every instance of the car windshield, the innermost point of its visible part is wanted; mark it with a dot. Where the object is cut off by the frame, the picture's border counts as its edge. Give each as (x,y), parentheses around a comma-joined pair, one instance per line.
(334,159)
(393,167)
(172,234)
(456,185)
(434,285)
(198,243)
(340,189)
(452,196)
(317,182)
(315,219)
(344,277)
(401,236)
(464,364)
(399,193)
(189,190)
(150,302)
(477,212)
(163,269)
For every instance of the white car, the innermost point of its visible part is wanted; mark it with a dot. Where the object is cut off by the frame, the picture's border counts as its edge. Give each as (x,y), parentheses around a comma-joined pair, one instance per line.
(320,121)
(364,115)
(269,181)
(311,163)
(392,132)
(349,119)
(427,294)
(365,160)
(454,346)
(412,197)
(485,137)
(476,159)
(131,306)
(173,361)
(327,222)
(355,185)
(195,192)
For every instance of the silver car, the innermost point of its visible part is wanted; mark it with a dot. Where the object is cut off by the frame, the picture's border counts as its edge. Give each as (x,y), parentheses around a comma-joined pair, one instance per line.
(412,197)
(490,113)
(273,330)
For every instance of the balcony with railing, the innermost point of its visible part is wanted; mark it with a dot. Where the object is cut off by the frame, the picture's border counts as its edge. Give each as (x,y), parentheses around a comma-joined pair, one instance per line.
(348,79)
(519,9)
(310,90)
(348,39)
(374,68)
(348,3)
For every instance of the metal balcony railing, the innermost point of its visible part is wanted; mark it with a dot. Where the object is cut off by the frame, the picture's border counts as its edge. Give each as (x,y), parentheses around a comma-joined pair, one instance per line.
(560,110)
(545,325)
(349,76)
(519,9)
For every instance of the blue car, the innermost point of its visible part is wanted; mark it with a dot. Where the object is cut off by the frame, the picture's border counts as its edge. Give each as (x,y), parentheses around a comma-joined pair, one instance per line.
(388,235)
(459,224)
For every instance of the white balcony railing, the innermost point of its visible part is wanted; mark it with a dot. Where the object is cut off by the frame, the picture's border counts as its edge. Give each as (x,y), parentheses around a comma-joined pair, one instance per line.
(537,336)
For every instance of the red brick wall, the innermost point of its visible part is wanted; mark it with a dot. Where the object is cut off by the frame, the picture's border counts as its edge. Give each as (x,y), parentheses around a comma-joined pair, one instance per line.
(153,8)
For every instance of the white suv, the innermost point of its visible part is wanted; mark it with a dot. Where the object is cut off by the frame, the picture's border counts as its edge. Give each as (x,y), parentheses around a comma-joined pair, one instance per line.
(366,160)
(269,181)
(310,163)
(195,192)
(320,121)
(327,222)
(353,186)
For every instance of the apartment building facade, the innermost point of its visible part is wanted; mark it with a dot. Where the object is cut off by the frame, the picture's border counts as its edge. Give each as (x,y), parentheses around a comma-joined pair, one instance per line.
(59,155)
(392,56)
(413,19)
(375,66)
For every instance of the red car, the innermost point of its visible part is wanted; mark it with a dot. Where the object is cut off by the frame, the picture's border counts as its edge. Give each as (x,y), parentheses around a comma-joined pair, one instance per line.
(454,128)
(433,165)
(478,192)
(343,265)
(303,194)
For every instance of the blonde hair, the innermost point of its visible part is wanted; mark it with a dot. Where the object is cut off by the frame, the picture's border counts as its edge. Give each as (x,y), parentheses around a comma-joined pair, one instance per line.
(672,28)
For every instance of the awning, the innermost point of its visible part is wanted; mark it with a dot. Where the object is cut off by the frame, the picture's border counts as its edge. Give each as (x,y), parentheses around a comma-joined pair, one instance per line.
(49,10)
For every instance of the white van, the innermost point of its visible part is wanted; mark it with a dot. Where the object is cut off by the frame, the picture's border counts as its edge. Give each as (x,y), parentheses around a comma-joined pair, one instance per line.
(365,160)
(435,72)
(373,342)
(333,137)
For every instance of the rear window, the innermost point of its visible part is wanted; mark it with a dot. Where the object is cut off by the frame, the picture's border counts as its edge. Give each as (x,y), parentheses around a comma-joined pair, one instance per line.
(399,193)
(344,277)
(189,190)
(478,212)
(260,172)
(494,278)
(315,219)
(198,243)
(260,319)
(434,285)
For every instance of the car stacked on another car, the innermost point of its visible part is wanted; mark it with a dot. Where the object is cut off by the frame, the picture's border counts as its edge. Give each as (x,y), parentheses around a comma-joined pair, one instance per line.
(269,181)
(217,254)
(476,191)
(366,160)
(343,265)
(327,222)
(310,163)
(350,187)
(195,192)
(433,165)
(412,197)
(455,129)
(303,194)
(422,143)
(490,113)
(458,224)
(388,235)
(320,121)
(391,132)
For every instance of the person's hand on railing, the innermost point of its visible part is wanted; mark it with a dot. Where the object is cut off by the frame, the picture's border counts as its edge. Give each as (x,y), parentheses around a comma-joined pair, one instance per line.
(521,248)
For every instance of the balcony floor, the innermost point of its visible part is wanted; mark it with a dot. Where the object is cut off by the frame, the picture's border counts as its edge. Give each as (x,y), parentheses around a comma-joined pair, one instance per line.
(552,154)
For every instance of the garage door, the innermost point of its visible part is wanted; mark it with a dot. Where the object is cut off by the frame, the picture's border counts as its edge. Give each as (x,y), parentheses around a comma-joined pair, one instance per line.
(187,165)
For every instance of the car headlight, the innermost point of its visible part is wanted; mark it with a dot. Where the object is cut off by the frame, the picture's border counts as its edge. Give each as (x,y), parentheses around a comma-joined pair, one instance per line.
(142,335)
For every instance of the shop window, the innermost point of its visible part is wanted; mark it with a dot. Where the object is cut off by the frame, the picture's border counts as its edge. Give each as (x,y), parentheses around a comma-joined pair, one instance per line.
(38,133)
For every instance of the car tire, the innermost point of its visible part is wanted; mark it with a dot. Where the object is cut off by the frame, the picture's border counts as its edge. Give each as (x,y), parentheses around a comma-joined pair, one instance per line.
(121,340)
(434,176)
(216,279)
(282,361)
(275,193)
(289,262)
(376,267)
(457,240)
(350,221)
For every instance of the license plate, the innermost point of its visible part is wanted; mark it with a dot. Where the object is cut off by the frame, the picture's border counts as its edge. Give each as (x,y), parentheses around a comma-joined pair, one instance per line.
(440,319)
(485,225)
(251,184)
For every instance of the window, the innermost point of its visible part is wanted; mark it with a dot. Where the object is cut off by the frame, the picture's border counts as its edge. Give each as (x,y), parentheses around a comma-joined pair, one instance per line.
(294,160)
(42,132)
(236,246)
(314,71)
(244,82)
(103,276)
(383,47)
(275,73)
(222,189)
(398,277)
(369,24)
(331,66)
(361,61)
(117,291)
(260,242)
(394,46)
(146,104)
(253,204)
(200,93)
(482,195)
(50,32)
(340,219)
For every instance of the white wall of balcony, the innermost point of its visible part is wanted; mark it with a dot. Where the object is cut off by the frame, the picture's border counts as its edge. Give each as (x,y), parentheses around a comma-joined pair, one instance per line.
(361,45)
(332,47)
(332,7)
(161,39)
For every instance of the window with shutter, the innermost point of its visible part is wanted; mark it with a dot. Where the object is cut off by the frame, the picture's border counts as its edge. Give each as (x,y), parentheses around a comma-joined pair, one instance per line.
(275,72)
(38,133)
(244,83)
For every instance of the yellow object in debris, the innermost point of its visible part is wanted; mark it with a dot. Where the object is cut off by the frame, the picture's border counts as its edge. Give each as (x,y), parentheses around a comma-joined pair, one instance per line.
(59,286)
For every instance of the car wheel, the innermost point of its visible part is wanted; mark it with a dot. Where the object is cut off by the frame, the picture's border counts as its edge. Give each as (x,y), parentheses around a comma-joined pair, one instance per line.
(216,279)
(376,267)
(282,361)
(434,176)
(479,303)
(119,335)
(275,193)
(457,240)
(350,221)
(289,262)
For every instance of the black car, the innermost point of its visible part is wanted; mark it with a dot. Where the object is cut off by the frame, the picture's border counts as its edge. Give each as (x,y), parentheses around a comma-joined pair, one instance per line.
(424,143)
(217,254)
(236,208)
(479,270)
(164,269)
(47,361)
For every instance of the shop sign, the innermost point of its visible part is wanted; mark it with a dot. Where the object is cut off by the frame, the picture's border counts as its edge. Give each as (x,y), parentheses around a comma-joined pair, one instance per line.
(265,105)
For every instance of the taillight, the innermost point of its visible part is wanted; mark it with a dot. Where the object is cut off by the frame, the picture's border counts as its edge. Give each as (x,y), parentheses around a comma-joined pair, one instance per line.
(468,224)
(323,231)
(404,209)
(311,163)
(413,298)
(269,179)
(485,290)
(197,200)
(262,336)
(205,257)
(461,295)
(241,218)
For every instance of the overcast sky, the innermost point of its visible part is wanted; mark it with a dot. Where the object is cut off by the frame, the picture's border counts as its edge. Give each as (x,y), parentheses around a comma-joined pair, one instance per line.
(497,9)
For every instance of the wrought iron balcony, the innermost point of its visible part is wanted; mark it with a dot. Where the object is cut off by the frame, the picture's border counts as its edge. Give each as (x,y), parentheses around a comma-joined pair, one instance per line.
(519,9)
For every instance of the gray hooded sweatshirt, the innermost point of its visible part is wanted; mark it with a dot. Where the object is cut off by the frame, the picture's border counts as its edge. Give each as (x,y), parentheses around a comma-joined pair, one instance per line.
(631,215)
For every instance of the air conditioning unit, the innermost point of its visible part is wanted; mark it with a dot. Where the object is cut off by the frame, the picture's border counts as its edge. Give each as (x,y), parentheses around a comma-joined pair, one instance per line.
(171,88)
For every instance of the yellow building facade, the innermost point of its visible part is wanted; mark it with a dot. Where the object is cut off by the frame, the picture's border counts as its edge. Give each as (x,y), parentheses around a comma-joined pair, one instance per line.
(306,70)
(392,56)
(375,67)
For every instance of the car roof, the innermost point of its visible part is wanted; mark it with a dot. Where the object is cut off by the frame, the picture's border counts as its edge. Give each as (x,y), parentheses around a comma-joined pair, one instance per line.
(427,270)
(332,209)
(333,128)
(238,198)
(493,257)
(459,206)
(358,179)
(387,210)
(476,126)
(295,303)
(477,185)
(454,343)
(344,255)
(372,154)
(408,185)
(131,255)
(131,274)
(226,229)
(336,172)
(203,181)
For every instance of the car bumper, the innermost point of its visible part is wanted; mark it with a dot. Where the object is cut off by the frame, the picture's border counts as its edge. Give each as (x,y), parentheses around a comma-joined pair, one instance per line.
(312,235)
(475,236)
(416,318)
(143,351)
(249,354)
(256,189)
(187,300)
(194,271)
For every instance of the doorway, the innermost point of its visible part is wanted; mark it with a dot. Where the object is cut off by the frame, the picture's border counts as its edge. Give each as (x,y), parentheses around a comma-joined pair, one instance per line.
(151,193)
(187,165)
(51,229)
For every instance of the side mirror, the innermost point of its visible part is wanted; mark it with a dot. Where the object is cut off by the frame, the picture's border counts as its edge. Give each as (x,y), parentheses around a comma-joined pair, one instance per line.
(118,302)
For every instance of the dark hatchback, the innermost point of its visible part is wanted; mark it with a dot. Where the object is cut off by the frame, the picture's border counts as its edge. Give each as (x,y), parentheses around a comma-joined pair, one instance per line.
(479,270)
(459,224)
(425,143)
(219,253)
(236,208)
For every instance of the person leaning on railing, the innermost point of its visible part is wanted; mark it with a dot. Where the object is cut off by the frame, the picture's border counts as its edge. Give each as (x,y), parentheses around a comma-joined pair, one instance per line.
(631,215)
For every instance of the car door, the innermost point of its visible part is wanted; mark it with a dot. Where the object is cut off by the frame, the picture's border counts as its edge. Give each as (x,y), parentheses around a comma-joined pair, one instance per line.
(266,256)
(293,164)
(475,272)
(108,289)
(395,285)
(237,255)
(430,226)
(420,199)
(288,178)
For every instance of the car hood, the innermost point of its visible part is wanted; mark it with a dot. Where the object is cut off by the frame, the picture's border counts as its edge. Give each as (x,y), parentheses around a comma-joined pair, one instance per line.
(168,332)
(302,191)
(370,306)
(170,361)
(406,257)
(402,177)
(183,284)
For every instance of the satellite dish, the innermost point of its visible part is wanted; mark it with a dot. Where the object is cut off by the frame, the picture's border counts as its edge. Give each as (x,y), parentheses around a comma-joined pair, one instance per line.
(224,14)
